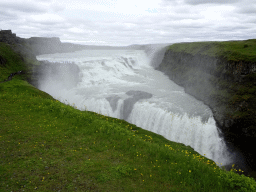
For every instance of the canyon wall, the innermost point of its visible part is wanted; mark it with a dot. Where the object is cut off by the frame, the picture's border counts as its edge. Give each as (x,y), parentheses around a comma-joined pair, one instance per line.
(226,84)
(44,45)
(37,45)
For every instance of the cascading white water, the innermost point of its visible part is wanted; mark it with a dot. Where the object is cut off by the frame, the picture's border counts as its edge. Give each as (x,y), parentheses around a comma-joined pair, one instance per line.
(122,84)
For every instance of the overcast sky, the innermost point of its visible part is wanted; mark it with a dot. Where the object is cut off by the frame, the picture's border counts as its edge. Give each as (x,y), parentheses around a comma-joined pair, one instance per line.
(125,22)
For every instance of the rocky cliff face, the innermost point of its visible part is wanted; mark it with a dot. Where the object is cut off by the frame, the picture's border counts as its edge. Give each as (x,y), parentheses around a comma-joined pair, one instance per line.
(43,45)
(37,45)
(10,38)
(227,87)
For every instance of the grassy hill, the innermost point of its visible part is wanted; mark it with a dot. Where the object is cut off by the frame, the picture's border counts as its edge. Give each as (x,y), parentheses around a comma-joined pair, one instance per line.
(231,50)
(48,146)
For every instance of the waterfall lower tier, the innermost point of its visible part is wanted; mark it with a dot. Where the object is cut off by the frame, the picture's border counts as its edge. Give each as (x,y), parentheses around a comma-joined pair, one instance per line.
(203,137)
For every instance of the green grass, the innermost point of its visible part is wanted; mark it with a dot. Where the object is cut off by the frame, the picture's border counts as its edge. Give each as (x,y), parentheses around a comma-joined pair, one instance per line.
(48,146)
(14,61)
(231,50)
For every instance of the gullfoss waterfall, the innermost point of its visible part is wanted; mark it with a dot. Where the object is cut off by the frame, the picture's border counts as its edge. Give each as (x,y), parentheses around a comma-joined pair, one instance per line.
(124,84)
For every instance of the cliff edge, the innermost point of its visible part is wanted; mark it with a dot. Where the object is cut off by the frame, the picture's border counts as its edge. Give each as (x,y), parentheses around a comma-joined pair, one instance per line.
(37,45)
(223,76)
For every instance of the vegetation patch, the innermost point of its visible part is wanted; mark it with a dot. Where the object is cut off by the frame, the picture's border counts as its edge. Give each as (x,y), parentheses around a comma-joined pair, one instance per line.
(231,50)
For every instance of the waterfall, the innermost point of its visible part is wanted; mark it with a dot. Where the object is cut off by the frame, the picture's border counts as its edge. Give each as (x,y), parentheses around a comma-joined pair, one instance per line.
(124,84)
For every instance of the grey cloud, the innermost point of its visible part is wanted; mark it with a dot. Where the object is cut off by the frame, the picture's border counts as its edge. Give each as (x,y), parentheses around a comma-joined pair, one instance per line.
(247,9)
(230,28)
(44,1)
(165,3)
(197,2)
(7,15)
(58,7)
(163,26)
(251,21)
(46,23)
(182,24)
(22,7)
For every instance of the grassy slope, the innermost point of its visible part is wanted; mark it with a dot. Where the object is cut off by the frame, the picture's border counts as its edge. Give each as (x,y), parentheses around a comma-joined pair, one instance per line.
(15,62)
(46,145)
(232,50)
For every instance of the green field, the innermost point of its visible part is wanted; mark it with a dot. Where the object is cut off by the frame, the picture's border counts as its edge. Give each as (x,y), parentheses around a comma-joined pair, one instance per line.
(48,146)
(231,50)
